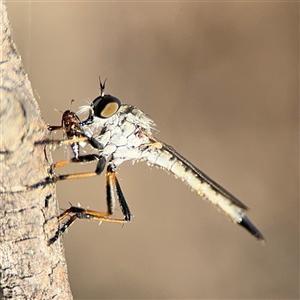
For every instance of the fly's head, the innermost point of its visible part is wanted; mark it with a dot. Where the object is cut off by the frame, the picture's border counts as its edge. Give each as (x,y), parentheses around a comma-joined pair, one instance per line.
(103,107)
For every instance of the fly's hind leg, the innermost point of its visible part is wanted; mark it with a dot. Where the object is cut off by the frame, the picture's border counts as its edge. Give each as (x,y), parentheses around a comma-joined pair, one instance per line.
(80,213)
(113,191)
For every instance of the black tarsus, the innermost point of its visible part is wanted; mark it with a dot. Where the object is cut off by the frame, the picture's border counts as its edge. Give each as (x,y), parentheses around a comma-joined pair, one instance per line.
(62,230)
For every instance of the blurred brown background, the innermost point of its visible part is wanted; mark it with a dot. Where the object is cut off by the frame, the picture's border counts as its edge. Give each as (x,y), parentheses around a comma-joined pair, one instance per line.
(221,82)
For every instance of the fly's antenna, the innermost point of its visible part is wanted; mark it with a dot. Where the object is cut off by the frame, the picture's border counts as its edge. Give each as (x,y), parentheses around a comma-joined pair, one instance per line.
(102,87)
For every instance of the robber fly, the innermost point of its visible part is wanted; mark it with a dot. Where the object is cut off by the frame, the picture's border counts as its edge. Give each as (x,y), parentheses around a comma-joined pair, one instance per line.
(123,132)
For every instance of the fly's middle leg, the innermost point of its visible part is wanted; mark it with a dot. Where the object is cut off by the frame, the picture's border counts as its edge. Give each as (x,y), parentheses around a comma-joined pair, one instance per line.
(101,161)
(113,189)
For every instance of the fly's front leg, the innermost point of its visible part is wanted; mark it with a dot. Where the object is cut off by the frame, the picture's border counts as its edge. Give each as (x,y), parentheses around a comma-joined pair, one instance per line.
(113,188)
(93,142)
(84,138)
(80,213)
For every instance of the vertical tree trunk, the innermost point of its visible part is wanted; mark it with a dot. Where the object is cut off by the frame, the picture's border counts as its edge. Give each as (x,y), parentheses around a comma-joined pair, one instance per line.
(30,269)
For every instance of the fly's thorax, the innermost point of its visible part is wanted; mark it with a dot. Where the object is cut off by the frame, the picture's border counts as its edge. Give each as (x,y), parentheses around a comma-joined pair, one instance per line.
(122,135)
(135,116)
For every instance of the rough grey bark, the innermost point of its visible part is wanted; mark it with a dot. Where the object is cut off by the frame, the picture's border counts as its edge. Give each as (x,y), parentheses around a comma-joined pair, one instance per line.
(30,269)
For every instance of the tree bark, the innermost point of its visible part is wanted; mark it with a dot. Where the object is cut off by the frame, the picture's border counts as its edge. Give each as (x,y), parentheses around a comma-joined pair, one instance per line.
(30,269)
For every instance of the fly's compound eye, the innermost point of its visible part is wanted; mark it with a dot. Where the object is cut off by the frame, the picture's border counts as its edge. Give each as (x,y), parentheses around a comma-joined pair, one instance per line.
(106,106)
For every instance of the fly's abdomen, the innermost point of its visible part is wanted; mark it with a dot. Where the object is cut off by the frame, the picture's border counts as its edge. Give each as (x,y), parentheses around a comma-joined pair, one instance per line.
(171,161)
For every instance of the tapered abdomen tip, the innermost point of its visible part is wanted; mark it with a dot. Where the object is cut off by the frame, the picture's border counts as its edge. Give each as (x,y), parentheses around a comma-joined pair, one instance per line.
(246,223)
